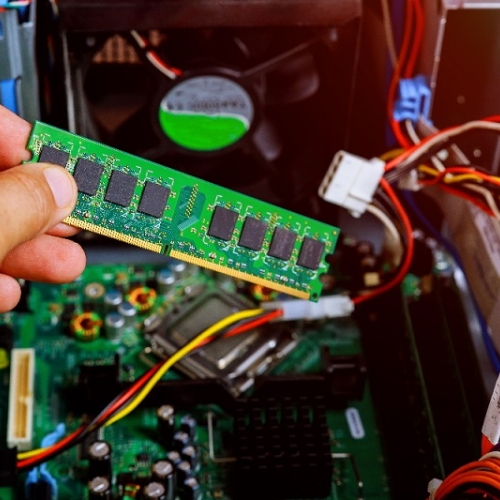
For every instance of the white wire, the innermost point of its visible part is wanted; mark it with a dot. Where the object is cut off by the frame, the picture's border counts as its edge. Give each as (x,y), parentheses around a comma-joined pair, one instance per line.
(152,57)
(412,133)
(491,454)
(389,33)
(393,242)
(448,134)
(488,197)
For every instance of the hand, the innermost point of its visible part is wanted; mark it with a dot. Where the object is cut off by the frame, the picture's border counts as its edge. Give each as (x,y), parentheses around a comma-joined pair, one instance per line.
(34,198)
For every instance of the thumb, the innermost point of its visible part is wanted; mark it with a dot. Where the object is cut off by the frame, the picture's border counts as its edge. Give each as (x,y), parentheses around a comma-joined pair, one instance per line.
(33,198)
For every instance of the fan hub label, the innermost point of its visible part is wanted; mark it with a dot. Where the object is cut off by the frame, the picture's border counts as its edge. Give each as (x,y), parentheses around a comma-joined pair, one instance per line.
(206,113)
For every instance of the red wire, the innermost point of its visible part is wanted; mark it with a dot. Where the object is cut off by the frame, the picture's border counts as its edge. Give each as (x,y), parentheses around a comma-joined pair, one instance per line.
(403,270)
(247,326)
(417,39)
(60,444)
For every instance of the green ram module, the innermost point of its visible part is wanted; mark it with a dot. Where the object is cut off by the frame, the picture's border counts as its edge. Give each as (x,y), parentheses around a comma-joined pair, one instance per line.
(166,211)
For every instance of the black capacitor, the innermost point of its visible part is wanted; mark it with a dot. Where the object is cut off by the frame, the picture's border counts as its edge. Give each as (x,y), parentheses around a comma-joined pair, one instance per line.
(183,471)
(154,491)
(99,454)
(163,471)
(166,425)
(188,425)
(191,489)
(99,488)
(190,454)
(174,457)
(181,440)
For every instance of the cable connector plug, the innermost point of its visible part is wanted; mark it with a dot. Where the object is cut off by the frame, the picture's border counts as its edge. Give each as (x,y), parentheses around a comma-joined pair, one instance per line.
(330,306)
(414,99)
(351,181)
(432,487)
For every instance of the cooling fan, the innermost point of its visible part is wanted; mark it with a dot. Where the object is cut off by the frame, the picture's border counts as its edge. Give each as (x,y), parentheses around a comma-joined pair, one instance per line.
(254,109)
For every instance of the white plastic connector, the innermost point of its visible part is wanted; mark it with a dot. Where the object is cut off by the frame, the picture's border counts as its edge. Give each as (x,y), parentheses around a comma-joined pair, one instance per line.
(432,487)
(491,423)
(21,399)
(334,306)
(351,181)
(410,181)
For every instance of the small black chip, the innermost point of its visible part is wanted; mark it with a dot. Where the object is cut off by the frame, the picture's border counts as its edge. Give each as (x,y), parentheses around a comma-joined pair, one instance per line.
(223,222)
(310,253)
(282,243)
(53,155)
(154,199)
(252,234)
(87,176)
(120,188)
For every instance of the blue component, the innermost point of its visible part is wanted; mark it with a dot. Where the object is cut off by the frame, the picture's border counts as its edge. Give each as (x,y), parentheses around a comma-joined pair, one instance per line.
(8,95)
(414,100)
(3,3)
(39,474)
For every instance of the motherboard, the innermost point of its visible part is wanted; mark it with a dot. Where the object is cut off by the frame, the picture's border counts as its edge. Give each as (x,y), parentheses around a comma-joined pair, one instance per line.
(281,410)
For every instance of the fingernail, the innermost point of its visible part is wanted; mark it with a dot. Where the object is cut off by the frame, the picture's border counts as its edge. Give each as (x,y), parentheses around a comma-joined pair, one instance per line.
(61,186)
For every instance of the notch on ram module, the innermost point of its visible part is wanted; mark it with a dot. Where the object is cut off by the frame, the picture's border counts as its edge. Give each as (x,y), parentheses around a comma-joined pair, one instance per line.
(166,211)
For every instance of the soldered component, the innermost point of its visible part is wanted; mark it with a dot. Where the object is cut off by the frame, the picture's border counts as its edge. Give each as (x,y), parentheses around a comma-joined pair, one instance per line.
(94,291)
(183,472)
(114,325)
(21,399)
(53,155)
(99,488)
(165,281)
(154,491)
(154,199)
(129,313)
(112,300)
(120,188)
(163,472)
(99,455)
(86,326)
(174,457)
(166,424)
(190,455)
(87,176)
(142,298)
(181,440)
(191,489)
(178,268)
(188,425)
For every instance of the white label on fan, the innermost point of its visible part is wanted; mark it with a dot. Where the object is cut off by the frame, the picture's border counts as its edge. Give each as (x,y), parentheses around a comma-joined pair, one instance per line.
(206,113)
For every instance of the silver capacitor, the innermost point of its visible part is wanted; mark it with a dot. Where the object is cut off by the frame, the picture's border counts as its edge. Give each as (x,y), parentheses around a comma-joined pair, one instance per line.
(114,325)
(112,300)
(99,488)
(179,269)
(163,472)
(127,310)
(154,491)
(165,281)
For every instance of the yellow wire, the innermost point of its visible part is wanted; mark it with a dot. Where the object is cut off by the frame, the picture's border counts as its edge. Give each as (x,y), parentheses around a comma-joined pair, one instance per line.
(220,325)
(389,155)
(462,177)
(428,170)
(233,318)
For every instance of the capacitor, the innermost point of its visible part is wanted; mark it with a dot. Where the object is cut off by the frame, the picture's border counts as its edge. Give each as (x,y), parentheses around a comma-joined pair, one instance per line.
(114,325)
(166,424)
(181,440)
(188,425)
(154,491)
(163,472)
(183,472)
(165,281)
(112,300)
(99,488)
(127,310)
(179,268)
(99,454)
(174,457)
(191,489)
(190,455)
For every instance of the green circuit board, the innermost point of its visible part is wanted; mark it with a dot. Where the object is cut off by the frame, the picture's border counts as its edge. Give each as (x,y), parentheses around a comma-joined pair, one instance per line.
(169,212)
(62,353)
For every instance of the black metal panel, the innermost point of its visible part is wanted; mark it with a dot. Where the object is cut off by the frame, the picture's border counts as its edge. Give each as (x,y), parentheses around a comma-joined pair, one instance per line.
(96,15)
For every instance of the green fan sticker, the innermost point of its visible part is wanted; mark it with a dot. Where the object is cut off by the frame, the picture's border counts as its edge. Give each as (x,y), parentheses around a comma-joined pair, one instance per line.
(206,113)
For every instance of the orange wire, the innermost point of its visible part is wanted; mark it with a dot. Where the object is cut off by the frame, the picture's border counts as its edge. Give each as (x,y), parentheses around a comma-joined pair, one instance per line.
(403,270)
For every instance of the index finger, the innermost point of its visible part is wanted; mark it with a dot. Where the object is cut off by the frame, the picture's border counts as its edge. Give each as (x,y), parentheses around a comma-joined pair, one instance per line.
(14,134)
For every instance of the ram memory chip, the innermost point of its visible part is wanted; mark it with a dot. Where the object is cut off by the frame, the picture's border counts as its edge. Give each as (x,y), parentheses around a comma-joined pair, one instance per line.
(167,211)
